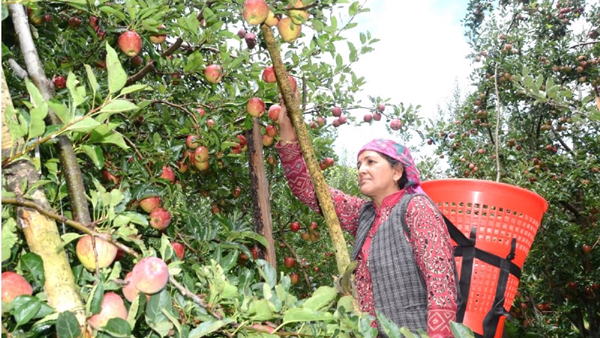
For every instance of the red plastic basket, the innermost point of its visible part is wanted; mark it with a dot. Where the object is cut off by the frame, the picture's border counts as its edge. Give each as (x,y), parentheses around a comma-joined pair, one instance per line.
(500,212)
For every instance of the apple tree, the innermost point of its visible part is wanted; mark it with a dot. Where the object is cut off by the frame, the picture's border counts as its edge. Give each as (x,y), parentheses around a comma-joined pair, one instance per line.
(533,121)
(136,147)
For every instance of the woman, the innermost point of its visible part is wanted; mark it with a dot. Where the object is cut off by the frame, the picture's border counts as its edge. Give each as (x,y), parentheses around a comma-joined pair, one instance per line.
(409,275)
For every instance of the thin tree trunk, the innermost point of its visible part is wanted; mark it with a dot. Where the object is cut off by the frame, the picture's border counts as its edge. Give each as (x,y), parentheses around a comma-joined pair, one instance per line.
(41,233)
(323,195)
(66,154)
(263,223)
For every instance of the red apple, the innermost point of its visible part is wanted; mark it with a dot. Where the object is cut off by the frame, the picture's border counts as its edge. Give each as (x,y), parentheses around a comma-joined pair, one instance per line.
(298,16)
(255,107)
(60,82)
(376,116)
(288,30)
(129,290)
(336,123)
(74,22)
(200,155)
(255,12)
(250,39)
(112,307)
(268,75)
(210,123)
(367,117)
(236,192)
(587,249)
(168,173)
(202,166)
(236,149)
(342,119)
(14,285)
(93,21)
(150,203)
(294,278)
(274,112)
(313,226)
(242,140)
(254,252)
(293,83)
(322,165)
(320,121)
(271,20)
(329,161)
(396,124)
(150,275)
(201,111)
(108,176)
(136,61)
(192,141)
(158,38)
(107,252)
(336,111)
(213,73)
(295,226)
(241,33)
(289,262)
(179,250)
(271,130)
(160,218)
(130,43)
(267,140)
(381,107)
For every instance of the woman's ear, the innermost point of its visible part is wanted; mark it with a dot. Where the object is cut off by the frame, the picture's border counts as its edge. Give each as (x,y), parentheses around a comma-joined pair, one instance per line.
(398,171)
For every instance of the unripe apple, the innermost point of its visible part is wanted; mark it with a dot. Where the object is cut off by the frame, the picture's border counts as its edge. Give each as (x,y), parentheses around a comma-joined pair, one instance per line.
(267,140)
(271,130)
(396,124)
(14,285)
(377,117)
(160,218)
(200,155)
(298,16)
(367,117)
(129,290)
(213,73)
(268,75)
(294,278)
(255,107)
(150,275)
(158,38)
(59,82)
(255,12)
(305,236)
(295,226)
(150,203)
(336,111)
(179,250)
(168,174)
(85,253)
(288,30)
(274,112)
(289,262)
(130,43)
(112,307)
(381,107)
(271,20)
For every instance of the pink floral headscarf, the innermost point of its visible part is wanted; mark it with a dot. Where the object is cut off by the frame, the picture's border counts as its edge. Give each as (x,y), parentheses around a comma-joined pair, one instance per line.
(402,154)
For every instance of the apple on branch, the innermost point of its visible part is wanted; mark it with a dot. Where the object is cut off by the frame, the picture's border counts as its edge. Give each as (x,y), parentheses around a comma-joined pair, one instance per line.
(213,73)
(168,174)
(255,12)
(288,30)
(272,20)
(150,203)
(298,16)
(268,75)
(130,43)
(112,307)
(158,38)
(106,252)
(14,285)
(150,275)
(255,107)
(160,218)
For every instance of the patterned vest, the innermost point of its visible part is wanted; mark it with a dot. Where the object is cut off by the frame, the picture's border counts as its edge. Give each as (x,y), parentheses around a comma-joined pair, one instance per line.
(399,290)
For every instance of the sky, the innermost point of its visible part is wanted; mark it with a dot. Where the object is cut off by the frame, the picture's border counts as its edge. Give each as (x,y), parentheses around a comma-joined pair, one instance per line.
(420,60)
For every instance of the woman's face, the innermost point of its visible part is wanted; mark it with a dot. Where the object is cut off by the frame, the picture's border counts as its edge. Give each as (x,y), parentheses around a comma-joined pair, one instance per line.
(376,177)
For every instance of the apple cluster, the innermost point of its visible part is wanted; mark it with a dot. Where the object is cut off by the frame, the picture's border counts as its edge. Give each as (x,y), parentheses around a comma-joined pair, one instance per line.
(256,12)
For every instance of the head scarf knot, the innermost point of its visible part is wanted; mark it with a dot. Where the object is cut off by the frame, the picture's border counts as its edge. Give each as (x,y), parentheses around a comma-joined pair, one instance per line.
(402,154)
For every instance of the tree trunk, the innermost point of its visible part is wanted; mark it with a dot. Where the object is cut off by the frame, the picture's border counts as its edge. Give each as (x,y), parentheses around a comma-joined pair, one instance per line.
(41,233)
(263,223)
(322,190)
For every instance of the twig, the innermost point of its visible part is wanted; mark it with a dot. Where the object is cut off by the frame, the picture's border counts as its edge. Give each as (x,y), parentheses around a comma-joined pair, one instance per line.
(498,114)
(190,294)
(17,69)
(585,43)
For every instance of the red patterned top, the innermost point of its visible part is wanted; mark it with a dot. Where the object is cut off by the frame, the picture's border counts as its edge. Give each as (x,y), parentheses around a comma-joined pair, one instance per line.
(421,219)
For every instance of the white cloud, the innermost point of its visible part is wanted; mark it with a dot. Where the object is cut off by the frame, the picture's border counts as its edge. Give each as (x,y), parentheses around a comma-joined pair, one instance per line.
(419,60)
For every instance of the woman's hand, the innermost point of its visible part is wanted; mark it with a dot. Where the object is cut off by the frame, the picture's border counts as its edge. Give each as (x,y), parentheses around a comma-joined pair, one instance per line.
(286,129)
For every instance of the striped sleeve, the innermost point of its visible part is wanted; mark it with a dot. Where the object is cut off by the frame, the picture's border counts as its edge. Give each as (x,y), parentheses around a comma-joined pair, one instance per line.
(347,207)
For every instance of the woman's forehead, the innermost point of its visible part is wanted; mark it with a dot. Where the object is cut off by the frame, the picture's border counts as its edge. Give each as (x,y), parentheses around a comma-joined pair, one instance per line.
(369,154)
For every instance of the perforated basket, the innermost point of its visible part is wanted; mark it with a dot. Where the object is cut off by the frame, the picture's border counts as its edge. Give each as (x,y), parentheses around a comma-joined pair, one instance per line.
(499,212)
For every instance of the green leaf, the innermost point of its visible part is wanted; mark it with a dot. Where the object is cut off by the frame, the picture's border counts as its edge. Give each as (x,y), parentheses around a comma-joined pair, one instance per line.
(94,304)
(36,96)
(92,79)
(460,330)
(158,302)
(321,298)
(37,126)
(173,320)
(255,236)
(69,237)
(267,271)
(67,325)
(134,88)
(33,263)
(113,12)
(25,312)
(117,78)
(95,154)
(84,125)
(118,327)
(259,310)
(208,327)
(116,106)
(113,138)
(131,9)
(305,315)
(16,124)
(9,237)
(60,110)
(77,93)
